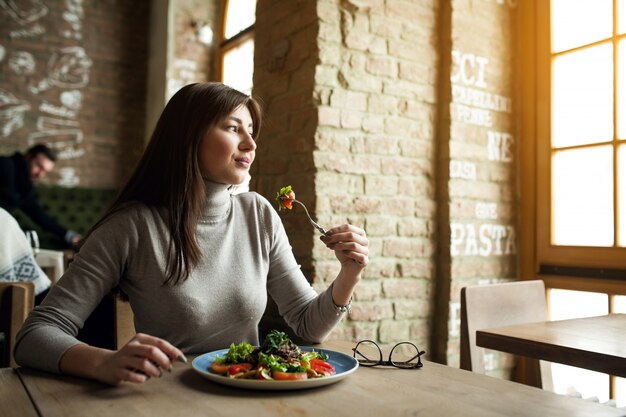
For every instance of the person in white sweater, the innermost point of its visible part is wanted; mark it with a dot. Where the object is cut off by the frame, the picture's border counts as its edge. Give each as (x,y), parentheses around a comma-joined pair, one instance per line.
(196,260)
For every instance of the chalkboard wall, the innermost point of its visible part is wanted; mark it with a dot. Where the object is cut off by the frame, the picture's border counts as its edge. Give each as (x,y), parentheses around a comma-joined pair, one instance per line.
(73,75)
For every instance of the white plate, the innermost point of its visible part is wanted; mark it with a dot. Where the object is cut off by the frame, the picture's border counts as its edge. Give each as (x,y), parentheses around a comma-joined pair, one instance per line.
(344,366)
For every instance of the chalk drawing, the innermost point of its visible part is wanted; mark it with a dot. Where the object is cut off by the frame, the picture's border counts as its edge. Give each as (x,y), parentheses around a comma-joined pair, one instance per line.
(50,123)
(74,17)
(29,32)
(462,169)
(68,177)
(470,115)
(67,68)
(481,99)
(72,99)
(24,11)
(486,239)
(71,152)
(500,146)
(468,69)
(22,63)
(471,104)
(12,112)
(59,133)
(486,211)
(56,138)
(56,110)
(70,67)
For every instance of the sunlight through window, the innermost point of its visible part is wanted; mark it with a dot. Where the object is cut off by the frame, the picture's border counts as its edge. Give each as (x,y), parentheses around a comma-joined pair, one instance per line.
(239,66)
(568,17)
(237,46)
(582,101)
(565,304)
(241,14)
(582,196)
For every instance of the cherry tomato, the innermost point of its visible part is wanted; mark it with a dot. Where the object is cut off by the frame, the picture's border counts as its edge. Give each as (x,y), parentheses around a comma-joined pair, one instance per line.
(322,367)
(288,376)
(239,368)
(219,368)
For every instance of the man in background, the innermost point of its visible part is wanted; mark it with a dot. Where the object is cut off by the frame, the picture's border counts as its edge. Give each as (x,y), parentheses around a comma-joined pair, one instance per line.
(18,172)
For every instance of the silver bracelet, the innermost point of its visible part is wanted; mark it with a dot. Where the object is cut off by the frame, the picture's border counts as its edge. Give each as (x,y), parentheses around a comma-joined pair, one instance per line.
(343,309)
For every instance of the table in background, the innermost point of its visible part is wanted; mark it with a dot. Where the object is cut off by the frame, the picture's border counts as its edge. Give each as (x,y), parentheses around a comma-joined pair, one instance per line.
(434,390)
(595,343)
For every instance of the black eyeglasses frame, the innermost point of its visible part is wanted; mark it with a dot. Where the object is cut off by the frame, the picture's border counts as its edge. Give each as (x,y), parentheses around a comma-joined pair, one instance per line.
(367,362)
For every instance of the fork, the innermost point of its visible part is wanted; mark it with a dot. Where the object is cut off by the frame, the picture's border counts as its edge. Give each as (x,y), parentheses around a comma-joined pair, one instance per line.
(317,226)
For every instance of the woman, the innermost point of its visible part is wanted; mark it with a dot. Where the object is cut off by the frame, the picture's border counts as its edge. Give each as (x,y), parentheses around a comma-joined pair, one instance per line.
(196,261)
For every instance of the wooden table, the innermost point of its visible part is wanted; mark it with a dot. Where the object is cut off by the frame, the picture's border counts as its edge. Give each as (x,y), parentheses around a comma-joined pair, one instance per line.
(434,390)
(596,343)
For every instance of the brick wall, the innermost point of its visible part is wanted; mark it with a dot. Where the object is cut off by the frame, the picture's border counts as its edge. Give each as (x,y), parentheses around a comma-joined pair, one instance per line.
(73,74)
(191,59)
(482,173)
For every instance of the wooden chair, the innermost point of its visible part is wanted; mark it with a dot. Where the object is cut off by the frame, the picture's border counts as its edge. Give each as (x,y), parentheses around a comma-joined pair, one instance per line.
(110,325)
(17,299)
(124,322)
(497,305)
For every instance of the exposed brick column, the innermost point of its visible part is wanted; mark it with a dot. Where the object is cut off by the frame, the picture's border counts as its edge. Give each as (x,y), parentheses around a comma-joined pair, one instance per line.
(350,113)
(376,86)
(284,78)
(482,175)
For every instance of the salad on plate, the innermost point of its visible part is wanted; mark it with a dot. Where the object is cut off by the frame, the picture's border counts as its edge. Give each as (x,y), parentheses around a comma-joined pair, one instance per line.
(278,358)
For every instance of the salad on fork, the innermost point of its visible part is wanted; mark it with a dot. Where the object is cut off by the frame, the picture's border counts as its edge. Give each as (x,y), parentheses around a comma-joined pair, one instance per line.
(286,197)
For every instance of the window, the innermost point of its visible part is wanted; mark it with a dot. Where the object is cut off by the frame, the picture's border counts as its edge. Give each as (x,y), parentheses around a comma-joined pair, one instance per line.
(581,144)
(237,45)
(573,161)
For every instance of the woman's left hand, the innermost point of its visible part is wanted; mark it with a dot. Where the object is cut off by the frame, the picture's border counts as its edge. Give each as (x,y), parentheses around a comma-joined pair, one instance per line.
(350,244)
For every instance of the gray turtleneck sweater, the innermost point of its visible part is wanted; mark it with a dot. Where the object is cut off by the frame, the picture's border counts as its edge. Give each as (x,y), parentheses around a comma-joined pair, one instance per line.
(245,255)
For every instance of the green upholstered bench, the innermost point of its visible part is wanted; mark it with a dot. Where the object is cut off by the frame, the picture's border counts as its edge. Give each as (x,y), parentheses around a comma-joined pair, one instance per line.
(73,208)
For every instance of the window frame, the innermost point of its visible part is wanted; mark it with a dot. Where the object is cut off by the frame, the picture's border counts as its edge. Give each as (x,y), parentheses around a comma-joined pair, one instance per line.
(602,262)
(227,44)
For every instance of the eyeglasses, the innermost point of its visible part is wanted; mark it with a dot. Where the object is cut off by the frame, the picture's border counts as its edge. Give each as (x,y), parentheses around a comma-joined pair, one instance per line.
(404,355)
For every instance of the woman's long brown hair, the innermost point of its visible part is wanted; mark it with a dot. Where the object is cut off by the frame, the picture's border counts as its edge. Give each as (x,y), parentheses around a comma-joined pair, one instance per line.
(169,175)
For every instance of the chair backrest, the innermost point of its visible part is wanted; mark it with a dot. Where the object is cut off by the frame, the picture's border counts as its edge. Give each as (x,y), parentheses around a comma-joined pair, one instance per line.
(17,299)
(110,325)
(497,305)
(124,322)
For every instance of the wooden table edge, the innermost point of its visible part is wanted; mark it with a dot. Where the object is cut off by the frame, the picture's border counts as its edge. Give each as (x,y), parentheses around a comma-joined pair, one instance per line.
(589,360)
